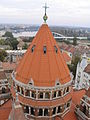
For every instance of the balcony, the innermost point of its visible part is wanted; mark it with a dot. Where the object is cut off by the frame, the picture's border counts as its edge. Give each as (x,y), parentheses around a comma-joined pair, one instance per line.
(80,114)
(5,95)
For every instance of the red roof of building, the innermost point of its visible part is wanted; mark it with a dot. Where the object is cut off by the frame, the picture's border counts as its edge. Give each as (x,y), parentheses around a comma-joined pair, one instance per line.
(5,110)
(66,57)
(43,69)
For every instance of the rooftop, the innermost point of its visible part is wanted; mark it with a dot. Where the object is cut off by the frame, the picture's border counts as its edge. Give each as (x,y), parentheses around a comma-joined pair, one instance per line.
(43,62)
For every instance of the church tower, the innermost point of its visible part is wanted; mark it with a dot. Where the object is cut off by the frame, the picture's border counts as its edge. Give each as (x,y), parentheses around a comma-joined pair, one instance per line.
(42,78)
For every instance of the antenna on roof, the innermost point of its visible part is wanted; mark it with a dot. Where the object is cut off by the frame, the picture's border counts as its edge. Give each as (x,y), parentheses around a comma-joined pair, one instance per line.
(45,17)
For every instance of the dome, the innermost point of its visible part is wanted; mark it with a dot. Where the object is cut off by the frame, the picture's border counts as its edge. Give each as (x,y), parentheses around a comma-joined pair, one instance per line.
(43,64)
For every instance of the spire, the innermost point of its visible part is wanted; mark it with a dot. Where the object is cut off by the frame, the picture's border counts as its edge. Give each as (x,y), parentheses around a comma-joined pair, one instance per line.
(45,17)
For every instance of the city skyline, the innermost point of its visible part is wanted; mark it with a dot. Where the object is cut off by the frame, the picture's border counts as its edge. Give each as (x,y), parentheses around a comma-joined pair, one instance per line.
(60,12)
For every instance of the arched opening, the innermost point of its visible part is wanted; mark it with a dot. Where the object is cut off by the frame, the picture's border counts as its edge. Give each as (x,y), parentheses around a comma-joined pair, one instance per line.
(27,93)
(84,109)
(59,93)
(41,95)
(18,89)
(33,94)
(54,94)
(68,104)
(22,92)
(32,111)
(40,112)
(26,109)
(54,110)
(3,90)
(46,112)
(47,95)
(67,90)
(59,109)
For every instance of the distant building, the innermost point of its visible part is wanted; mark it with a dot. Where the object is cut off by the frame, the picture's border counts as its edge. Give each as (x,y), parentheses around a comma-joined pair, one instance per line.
(4,87)
(20,45)
(82,76)
(83,109)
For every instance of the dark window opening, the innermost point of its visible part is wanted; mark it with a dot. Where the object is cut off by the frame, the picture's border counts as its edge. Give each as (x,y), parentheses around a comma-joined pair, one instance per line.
(59,109)
(27,93)
(33,94)
(32,111)
(55,94)
(56,49)
(33,47)
(44,49)
(41,94)
(27,109)
(68,104)
(22,92)
(84,109)
(3,90)
(18,89)
(47,95)
(59,93)
(67,89)
(54,110)
(46,112)
(40,112)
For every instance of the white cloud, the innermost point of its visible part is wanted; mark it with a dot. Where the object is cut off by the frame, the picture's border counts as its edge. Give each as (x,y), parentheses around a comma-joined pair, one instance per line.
(62,12)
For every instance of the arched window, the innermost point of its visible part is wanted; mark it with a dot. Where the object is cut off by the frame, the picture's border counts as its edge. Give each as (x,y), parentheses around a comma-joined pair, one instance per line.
(3,90)
(46,112)
(33,94)
(27,93)
(32,111)
(18,89)
(68,104)
(67,90)
(47,95)
(22,92)
(59,109)
(33,47)
(59,93)
(40,112)
(54,110)
(54,94)
(41,95)
(44,49)
(27,109)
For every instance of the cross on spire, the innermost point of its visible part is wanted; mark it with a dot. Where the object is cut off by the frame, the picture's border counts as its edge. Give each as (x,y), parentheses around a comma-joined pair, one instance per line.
(45,16)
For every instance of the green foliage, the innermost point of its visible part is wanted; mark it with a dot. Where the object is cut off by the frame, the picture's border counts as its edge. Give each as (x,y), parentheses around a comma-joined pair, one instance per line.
(3,54)
(8,34)
(74,63)
(75,41)
(11,41)
(25,46)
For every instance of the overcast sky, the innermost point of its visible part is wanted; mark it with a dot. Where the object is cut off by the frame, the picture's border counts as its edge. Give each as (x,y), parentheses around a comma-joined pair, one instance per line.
(60,12)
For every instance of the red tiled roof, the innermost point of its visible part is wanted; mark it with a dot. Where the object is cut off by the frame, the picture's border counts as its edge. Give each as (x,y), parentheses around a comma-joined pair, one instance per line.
(8,66)
(2,75)
(5,110)
(43,69)
(87,69)
(66,57)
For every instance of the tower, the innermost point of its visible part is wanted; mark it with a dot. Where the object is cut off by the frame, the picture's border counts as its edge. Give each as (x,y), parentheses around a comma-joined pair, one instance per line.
(42,79)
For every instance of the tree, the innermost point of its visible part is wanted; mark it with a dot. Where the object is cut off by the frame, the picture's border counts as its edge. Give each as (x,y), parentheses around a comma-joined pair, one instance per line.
(8,34)
(74,63)
(75,41)
(14,43)
(25,46)
(3,54)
